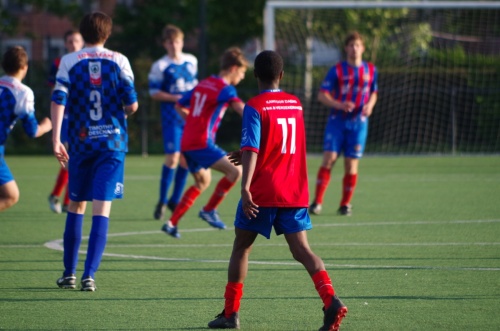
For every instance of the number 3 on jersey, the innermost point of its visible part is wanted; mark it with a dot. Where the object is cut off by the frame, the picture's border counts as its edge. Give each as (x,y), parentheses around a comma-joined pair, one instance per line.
(284,122)
(95,100)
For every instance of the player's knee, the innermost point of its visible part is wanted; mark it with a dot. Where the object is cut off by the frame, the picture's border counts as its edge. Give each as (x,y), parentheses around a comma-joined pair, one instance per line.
(235,174)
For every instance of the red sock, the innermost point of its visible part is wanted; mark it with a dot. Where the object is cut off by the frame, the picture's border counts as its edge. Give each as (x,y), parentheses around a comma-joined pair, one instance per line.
(324,286)
(66,196)
(223,186)
(186,202)
(321,184)
(61,181)
(233,294)
(349,184)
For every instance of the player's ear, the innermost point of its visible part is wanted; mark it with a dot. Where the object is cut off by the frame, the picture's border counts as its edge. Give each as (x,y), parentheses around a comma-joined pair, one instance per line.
(281,74)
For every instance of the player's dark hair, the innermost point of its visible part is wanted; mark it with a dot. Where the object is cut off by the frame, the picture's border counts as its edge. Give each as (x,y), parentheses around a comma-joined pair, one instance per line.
(267,66)
(352,36)
(171,32)
(69,33)
(96,28)
(14,59)
(233,56)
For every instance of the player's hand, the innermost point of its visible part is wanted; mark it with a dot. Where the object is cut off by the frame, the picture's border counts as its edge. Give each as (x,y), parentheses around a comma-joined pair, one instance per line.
(348,106)
(234,157)
(61,154)
(249,207)
(367,110)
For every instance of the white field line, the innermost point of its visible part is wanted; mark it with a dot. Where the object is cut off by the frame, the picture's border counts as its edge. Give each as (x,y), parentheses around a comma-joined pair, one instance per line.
(57,245)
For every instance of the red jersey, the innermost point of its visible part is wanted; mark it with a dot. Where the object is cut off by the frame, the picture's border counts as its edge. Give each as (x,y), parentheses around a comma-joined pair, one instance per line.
(273,127)
(207,103)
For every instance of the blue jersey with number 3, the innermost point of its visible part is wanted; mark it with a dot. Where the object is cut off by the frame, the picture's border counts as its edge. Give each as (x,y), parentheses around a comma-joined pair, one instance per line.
(94,84)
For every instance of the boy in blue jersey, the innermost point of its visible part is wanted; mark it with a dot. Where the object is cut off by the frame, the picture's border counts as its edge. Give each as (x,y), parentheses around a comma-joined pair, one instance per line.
(171,76)
(16,102)
(349,90)
(96,85)
(73,42)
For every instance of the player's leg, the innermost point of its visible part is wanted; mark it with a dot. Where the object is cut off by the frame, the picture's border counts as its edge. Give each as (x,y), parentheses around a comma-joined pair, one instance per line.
(171,133)
(9,194)
(355,144)
(107,185)
(54,197)
(246,232)
(294,222)
(179,182)
(231,175)
(332,144)
(202,178)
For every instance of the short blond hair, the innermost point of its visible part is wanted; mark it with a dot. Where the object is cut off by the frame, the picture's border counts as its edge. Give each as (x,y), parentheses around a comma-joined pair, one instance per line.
(171,32)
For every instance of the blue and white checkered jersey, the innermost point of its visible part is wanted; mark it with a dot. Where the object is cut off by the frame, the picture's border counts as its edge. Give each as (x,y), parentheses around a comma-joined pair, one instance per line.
(174,77)
(94,84)
(17,101)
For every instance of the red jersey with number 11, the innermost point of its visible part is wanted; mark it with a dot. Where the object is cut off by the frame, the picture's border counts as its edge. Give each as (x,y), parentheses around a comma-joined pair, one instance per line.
(273,127)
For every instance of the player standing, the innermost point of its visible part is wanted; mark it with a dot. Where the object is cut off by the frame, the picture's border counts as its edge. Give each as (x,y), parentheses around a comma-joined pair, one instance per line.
(350,91)
(73,42)
(171,76)
(274,191)
(97,86)
(203,107)
(17,101)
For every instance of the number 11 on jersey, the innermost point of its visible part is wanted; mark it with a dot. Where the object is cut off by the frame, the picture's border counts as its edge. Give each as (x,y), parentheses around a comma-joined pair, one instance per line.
(284,122)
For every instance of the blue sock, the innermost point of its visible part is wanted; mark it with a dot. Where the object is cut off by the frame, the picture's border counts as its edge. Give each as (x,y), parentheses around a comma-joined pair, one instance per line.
(180,181)
(167,174)
(71,242)
(97,243)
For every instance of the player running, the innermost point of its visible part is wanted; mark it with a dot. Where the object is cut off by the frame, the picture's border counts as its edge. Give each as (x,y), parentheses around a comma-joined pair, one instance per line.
(203,107)
(96,86)
(274,191)
(17,102)
(350,91)
(171,76)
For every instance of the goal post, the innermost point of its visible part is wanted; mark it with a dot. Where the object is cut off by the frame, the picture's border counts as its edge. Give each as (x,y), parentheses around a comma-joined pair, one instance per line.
(438,64)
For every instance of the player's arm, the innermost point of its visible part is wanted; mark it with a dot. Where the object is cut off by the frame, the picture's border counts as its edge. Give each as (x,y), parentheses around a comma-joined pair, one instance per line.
(182,111)
(238,106)
(368,107)
(326,99)
(165,97)
(248,161)
(30,125)
(131,109)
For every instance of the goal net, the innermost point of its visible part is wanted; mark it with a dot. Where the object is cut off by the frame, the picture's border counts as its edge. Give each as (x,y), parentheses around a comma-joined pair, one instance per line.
(438,64)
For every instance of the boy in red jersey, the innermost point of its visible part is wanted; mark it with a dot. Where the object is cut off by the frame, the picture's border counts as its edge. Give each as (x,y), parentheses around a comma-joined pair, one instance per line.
(203,109)
(274,191)
(350,91)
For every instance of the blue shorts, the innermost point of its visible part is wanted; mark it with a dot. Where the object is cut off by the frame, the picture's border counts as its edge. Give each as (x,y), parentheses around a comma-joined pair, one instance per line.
(346,135)
(5,174)
(96,176)
(172,133)
(203,158)
(284,220)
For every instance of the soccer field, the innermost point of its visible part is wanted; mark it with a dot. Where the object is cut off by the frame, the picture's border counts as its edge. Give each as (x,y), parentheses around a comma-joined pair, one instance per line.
(421,252)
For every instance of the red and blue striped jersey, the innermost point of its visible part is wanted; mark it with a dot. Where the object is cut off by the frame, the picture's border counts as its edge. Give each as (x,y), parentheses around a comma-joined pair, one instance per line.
(347,83)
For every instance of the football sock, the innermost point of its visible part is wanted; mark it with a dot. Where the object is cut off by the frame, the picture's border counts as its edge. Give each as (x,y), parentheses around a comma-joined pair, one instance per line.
(220,192)
(186,202)
(324,286)
(61,181)
(322,183)
(167,174)
(97,243)
(233,294)
(181,175)
(71,242)
(348,186)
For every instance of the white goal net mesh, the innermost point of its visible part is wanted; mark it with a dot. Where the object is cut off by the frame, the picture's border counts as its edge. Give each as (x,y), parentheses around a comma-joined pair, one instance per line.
(439,73)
